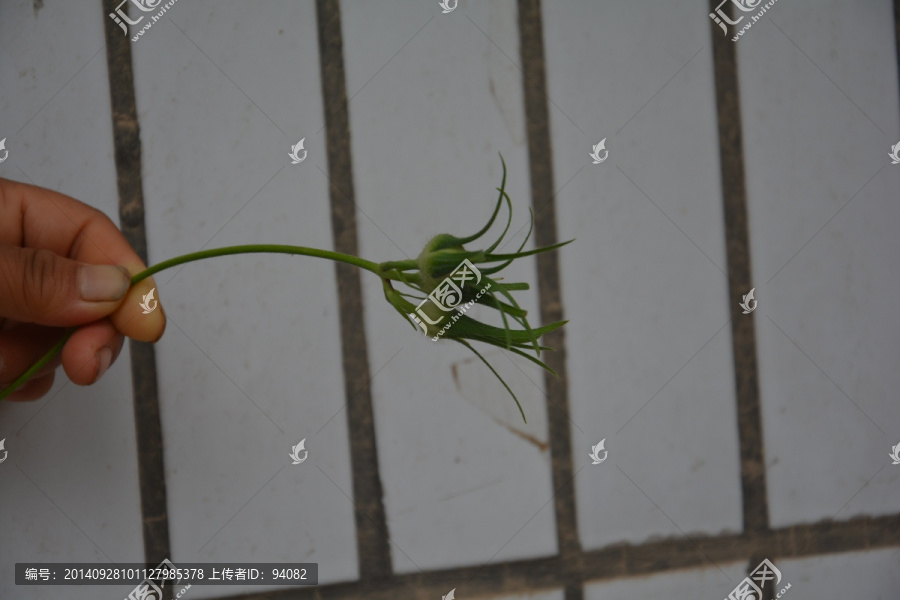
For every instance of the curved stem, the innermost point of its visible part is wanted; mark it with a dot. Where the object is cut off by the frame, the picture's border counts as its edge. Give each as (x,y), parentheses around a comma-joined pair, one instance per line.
(258,248)
(193,256)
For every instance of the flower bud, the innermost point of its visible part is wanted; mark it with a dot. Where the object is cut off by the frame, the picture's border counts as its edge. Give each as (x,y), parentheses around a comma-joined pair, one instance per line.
(442,257)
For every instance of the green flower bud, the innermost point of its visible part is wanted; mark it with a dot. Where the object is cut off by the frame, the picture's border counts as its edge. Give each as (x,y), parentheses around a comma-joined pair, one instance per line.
(440,275)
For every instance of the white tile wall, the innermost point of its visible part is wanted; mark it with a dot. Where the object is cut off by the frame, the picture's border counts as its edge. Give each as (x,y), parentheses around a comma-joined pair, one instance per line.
(819,121)
(251,361)
(650,358)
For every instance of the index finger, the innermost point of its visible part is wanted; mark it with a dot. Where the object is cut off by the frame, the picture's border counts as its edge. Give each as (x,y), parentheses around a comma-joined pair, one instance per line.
(34,217)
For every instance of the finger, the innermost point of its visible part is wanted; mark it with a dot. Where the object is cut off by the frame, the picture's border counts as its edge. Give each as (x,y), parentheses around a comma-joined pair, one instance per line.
(38,286)
(33,389)
(42,219)
(90,352)
(21,346)
(141,318)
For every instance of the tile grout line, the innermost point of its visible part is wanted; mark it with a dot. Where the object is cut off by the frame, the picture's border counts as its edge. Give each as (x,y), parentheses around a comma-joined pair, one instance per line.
(534,83)
(374,556)
(617,562)
(737,247)
(127,143)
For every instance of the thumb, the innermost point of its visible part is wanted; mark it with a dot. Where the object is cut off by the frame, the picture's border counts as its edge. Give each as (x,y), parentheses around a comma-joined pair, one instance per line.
(38,286)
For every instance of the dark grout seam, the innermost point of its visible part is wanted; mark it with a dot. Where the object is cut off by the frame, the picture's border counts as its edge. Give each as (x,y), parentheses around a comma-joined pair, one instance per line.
(127,142)
(534,82)
(737,247)
(373,549)
(620,561)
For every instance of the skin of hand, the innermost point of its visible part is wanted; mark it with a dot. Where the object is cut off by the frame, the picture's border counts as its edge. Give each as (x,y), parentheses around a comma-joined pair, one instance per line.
(63,264)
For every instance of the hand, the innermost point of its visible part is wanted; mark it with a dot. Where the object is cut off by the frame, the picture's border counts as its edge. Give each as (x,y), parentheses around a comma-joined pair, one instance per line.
(63,264)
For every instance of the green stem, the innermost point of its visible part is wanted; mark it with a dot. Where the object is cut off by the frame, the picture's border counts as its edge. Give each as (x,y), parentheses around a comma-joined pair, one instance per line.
(37,366)
(203,254)
(258,248)
(400,265)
